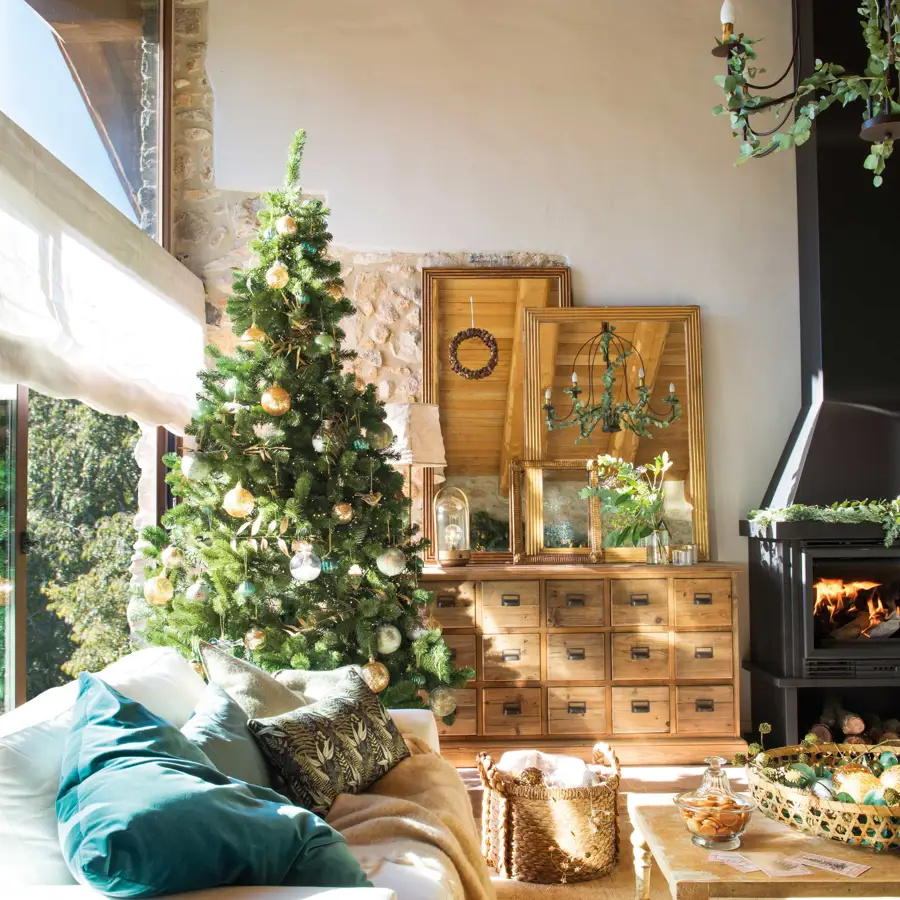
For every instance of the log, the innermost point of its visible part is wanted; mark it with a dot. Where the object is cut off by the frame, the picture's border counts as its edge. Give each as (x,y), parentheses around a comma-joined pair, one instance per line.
(892,725)
(852,630)
(890,737)
(850,722)
(874,728)
(883,630)
(856,739)
(822,732)
(829,713)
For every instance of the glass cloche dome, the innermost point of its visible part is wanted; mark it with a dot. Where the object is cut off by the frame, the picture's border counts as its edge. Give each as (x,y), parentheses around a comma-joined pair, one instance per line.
(451,527)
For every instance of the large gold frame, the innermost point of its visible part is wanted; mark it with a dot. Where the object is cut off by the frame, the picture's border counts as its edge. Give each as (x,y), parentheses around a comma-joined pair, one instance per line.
(529,547)
(689,317)
(430,280)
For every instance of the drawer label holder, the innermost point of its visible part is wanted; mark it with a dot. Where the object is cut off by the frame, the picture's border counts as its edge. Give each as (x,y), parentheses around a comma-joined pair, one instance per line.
(511,655)
(703,653)
(574,599)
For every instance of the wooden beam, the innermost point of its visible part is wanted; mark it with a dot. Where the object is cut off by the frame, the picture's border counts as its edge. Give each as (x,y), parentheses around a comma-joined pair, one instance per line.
(650,340)
(533,293)
(98,31)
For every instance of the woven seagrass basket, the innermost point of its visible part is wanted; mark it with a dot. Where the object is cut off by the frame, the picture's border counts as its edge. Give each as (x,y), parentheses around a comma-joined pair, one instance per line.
(875,827)
(547,835)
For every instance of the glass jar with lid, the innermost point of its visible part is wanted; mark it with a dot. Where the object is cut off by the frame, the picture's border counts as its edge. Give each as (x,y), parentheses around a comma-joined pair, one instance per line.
(715,815)
(451,527)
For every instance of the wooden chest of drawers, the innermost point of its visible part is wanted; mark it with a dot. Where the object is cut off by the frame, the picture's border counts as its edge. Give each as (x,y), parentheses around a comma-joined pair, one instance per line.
(645,657)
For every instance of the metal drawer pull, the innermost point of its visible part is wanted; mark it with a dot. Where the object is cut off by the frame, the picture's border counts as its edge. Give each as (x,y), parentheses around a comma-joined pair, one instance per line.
(510,600)
(512,709)
(511,655)
(640,653)
(446,602)
(640,599)
(640,706)
(577,709)
(575,653)
(702,706)
(574,599)
(702,599)
(703,653)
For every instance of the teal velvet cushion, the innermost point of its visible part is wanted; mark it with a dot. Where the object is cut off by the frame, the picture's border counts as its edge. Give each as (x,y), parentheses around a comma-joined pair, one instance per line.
(219,728)
(342,744)
(143,812)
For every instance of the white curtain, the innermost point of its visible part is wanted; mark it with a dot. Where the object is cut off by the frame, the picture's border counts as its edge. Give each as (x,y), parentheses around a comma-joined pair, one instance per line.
(90,307)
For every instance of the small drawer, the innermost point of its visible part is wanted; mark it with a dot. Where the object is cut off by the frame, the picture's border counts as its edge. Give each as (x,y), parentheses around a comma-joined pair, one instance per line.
(510,604)
(639,601)
(575,603)
(511,657)
(576,710)
(462,649)
(640,657)
(466,715)
(454,603)
(576,657)
(707,709)
(703,602)
(512,711)
(640,710)
(703,654)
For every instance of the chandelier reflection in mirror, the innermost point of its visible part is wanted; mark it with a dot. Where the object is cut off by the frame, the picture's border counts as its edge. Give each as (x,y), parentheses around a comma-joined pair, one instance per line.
(614,408)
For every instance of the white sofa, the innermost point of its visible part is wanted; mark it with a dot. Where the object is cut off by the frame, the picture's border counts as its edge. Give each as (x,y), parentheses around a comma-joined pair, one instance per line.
(32,738)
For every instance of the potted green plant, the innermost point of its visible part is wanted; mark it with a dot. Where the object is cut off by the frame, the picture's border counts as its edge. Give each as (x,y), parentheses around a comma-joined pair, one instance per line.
(632,500)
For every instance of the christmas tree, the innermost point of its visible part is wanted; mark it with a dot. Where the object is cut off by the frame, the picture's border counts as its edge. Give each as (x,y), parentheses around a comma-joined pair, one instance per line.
(291,541)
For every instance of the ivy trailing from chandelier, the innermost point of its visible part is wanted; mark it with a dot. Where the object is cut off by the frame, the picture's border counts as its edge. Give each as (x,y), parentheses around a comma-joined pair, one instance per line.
(878,87)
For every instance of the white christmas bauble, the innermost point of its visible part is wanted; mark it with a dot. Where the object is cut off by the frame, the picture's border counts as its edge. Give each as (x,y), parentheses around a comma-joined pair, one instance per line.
(318,441)
(199,590)
(172,557)
(277,275)
(387,638)
(305,566)
(417,630)
(392,562)
(286,225)
(442,701)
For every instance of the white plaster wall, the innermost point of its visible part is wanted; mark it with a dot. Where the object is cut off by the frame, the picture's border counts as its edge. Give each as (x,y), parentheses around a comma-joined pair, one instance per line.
(578,127)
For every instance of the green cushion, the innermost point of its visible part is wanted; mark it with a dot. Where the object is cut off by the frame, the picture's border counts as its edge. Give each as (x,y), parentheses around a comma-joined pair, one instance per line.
(342,744)
(142,812)
(255,691)
(219,728)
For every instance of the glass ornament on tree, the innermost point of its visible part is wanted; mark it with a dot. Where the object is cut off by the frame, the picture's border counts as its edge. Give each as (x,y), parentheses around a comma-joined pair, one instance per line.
(305,565)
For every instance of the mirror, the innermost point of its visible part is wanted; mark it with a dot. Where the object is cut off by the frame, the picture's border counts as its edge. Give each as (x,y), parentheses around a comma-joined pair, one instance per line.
(482,414)
(638,394)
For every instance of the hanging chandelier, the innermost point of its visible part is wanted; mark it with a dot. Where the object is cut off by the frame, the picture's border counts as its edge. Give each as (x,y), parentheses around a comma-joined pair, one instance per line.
(630,410)
(801,101)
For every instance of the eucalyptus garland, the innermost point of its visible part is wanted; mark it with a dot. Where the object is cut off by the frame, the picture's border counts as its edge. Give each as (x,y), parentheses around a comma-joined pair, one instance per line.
(849,512)
(828,84)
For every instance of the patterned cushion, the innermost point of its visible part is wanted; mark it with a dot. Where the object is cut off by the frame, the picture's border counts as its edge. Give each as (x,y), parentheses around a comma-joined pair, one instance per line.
(342,744)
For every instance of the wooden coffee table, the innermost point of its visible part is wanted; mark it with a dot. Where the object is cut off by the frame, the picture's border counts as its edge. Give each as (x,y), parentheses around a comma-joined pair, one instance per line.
(660,836)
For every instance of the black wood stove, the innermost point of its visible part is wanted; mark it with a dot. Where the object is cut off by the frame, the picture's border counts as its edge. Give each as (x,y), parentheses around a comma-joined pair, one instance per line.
(824,598)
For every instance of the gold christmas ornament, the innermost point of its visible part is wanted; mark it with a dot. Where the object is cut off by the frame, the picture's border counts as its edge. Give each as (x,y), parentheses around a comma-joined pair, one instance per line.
(276,401)
(277,275)
(158,591)
(857,784)
(335,290)
(238,502)
(890,778)
(172,557)
(286,225)
(254,638)
(375,675)
(343,512)
(198,668)
(253,336)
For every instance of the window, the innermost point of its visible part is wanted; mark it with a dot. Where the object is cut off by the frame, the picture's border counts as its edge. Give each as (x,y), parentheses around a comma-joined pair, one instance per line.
(7,549)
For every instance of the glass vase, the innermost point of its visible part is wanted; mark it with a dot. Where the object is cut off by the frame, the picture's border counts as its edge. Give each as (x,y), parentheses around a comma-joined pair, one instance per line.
(657,547)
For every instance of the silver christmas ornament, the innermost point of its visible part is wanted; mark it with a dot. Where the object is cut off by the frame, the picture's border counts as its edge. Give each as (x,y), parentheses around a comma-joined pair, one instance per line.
(305,565)
(387,639)
(442,701)
(391,562)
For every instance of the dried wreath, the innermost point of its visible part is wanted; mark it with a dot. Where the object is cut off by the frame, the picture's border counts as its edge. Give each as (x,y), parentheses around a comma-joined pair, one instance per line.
(488,340)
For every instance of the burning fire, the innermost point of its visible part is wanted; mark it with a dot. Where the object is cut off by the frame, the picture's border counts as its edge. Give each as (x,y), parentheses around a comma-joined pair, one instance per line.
(834,596)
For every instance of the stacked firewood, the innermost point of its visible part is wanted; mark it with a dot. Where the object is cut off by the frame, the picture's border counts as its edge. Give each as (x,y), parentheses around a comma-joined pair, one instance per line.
(843,726)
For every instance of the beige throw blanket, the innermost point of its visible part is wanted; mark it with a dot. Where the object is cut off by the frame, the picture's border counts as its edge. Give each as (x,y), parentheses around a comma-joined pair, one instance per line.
(418,814)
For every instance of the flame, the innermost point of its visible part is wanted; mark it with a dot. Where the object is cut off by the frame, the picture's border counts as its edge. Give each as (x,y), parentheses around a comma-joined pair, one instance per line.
(834,595)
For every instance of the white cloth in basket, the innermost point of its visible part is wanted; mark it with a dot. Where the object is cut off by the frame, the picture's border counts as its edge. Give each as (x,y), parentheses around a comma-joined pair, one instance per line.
(559,771)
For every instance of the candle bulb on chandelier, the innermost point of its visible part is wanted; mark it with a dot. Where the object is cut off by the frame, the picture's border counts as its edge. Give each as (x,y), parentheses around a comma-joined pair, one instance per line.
(641,375)
(727,18)
(548,393)
(671,388)
(574,378)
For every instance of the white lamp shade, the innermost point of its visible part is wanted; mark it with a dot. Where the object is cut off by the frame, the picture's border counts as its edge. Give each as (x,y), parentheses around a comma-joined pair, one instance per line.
(417,434)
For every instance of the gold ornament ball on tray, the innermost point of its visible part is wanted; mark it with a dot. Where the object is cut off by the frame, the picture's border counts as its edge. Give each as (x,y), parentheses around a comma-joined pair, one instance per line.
(253,336)
(277,276)
(172,557)
(343,512)
(442,701)
(857,784)
(238,502)
(254,638)
(276,401)
(376,675)
(286,225)
(158,591)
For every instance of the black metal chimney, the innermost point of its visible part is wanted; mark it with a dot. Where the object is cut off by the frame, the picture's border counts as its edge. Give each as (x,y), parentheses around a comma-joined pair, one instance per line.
(846,441)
